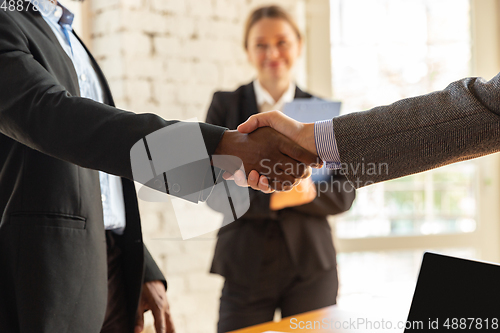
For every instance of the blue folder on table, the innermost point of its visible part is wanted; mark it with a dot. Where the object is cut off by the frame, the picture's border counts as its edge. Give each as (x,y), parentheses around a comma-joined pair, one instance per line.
(310,110)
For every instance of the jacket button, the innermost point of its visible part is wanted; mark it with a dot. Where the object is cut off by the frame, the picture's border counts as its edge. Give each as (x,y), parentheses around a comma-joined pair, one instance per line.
(176,188)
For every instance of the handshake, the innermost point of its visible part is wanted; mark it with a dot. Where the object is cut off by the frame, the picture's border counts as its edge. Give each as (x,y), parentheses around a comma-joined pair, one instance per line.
(277,152)
(269,152)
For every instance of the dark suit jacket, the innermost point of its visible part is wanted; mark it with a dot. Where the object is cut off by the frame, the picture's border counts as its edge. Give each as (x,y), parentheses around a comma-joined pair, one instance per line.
(53,270)
(238,252)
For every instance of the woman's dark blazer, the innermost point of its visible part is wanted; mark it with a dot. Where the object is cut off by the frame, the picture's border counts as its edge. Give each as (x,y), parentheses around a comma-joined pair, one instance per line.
(238,253)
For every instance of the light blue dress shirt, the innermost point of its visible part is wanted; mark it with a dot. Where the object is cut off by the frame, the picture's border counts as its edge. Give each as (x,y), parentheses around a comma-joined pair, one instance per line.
(60,20)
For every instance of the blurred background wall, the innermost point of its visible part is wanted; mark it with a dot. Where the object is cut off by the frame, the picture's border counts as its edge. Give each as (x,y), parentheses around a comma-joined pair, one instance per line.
(169,56)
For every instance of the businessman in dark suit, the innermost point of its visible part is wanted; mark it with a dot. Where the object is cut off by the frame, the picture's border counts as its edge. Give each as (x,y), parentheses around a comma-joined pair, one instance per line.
(274,258)
(60,270)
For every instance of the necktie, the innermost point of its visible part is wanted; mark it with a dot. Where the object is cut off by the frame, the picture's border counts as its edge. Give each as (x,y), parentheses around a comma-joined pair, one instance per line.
(65,22)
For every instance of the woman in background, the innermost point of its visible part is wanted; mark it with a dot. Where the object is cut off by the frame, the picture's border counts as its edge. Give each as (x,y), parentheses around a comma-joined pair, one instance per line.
(280,253)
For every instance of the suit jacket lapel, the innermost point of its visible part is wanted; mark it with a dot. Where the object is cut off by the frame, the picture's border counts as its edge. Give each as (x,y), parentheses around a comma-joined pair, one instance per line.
(108,97)
(39,21)
(301,94)
(128,186)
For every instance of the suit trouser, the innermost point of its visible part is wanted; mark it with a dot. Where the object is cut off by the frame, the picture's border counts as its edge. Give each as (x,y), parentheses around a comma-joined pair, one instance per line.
(279,285)
(116,319)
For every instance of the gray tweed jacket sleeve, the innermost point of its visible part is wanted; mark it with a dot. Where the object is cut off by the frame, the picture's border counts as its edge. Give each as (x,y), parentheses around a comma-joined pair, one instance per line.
(420,133)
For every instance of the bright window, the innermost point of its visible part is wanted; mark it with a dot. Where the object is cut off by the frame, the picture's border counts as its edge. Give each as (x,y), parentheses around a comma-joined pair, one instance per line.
(383,51)
(386,50)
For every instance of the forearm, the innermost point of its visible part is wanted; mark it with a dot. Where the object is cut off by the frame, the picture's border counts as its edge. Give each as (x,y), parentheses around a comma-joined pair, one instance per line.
(38,111)
(421,133)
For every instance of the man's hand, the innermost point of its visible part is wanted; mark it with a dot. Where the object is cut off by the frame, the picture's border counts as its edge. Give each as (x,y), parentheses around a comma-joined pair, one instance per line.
(271,154)
(303,134)
(154,298)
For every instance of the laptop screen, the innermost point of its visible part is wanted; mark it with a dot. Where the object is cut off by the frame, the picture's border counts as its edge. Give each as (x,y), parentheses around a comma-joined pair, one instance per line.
(454,294)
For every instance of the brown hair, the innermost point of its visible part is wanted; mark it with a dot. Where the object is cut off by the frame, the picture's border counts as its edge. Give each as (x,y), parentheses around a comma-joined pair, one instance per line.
(274,12)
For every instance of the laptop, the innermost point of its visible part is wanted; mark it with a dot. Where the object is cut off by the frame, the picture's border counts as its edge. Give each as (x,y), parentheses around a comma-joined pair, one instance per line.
(454,294)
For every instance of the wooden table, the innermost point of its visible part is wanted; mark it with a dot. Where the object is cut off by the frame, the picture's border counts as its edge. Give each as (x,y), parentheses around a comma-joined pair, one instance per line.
(332,318)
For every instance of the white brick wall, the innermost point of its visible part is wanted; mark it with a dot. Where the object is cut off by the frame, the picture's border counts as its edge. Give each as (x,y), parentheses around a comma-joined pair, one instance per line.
(168,57)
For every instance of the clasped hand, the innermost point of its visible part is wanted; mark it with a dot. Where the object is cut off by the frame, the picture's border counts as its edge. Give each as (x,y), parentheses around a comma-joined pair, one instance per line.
(278,150)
